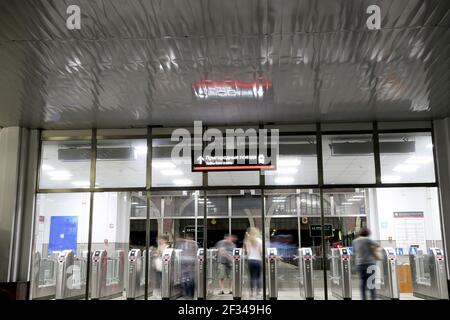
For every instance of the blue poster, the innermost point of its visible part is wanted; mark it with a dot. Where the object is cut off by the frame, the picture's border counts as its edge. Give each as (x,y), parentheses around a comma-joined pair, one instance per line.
(399,251)
(63,233)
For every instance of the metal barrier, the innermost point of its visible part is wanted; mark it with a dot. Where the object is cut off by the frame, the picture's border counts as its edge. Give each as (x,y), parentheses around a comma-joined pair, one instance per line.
(211,269)
(429,274)
(136,274)
(387,277)
(272,274)
(238,261)
(107,274)
(171,274)
(341,284)
(71,276)
(306,273)
(200,268)
(44,276)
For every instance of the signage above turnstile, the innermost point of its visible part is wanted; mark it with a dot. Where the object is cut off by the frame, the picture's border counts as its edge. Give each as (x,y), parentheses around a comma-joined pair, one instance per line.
(315,230)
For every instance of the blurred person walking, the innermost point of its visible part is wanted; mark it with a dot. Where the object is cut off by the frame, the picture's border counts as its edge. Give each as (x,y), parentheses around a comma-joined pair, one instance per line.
(365,251)
(253,250)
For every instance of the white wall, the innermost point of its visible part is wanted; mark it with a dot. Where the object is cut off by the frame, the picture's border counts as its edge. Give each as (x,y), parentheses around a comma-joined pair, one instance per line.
(390,200)
(110,221)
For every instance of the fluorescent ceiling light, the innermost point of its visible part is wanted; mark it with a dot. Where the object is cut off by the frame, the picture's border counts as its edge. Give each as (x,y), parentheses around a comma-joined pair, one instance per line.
(406,168)
(46,167)
(278,200)
(163,165)
(346,203)
(80,183)
(182,182)
(303,200)
(287,170)
(353,200)
(289,162)
(390,179)
(419,160)
(140,207)
(175,172)
(59,175)
(140,150)
(358,196)
(284,180)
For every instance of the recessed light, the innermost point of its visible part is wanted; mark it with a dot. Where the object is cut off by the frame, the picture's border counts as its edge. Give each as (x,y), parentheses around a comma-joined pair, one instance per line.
(288,162)
(59,175)
(284,180)
(419,160)
(406,168)
(175,172)
(46,167)
(182,182)
(390,179)
(80,184)
(287,170)
(163,165)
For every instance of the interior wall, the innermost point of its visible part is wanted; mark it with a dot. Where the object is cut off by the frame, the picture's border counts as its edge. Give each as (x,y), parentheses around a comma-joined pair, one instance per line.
(390,200)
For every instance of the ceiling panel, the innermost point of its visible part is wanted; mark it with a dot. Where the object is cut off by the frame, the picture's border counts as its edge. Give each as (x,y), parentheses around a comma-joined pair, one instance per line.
(134,62)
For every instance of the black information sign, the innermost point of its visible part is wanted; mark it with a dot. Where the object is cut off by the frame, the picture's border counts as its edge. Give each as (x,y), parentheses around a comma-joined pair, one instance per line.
(233,159)
(315,230)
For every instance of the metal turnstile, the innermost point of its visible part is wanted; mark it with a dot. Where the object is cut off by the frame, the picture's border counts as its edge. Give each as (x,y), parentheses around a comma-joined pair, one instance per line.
(134,274)
(306,273)
(98,273)
(171,274)
(272,274)
(429,274)
(438,273)
(200,274)
(71,276)
(238,263)
(341,281)
(44,276)
(387,277)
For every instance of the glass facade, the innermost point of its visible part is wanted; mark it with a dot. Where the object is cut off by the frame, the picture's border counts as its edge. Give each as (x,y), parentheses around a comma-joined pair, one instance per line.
(133,204)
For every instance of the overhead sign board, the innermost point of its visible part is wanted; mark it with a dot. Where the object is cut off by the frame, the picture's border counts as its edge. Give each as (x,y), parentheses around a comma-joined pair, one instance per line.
(238,149)
(315,230)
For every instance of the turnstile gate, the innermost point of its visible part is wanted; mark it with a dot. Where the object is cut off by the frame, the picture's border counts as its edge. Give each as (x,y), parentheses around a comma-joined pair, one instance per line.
(387,277)
(272,264)
(429,274)
(341,281)
(70,276)
(237,273)
(98,273)
(200,274)
(306,273)
(171,274)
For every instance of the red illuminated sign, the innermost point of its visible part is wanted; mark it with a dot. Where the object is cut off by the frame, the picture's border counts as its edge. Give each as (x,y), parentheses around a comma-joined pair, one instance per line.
(208,89)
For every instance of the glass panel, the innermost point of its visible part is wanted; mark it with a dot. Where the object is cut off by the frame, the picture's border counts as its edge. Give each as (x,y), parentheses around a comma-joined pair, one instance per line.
(168,172)
(238,229)
(348,159)
(121,163)
(348,214)
(110,244)
(406,158)
(65,164)
(297,162)
(240,178)
(405,223)
(60,243)
(298,263)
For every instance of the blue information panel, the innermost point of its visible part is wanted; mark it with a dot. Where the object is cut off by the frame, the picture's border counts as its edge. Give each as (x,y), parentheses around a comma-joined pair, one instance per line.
(399,251)
(63,233)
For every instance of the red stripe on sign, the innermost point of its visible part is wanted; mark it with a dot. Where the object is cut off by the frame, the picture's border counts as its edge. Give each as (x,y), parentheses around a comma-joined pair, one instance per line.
(233,168)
